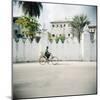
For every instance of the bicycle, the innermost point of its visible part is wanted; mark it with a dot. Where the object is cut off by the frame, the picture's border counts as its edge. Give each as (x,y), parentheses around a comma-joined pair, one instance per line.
(43,59)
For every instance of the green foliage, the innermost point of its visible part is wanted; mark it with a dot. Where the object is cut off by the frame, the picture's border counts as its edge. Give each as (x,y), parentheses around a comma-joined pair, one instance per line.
(30,8)
(62,38)
(50,37)
(29,26)
(78,23)
(57,39)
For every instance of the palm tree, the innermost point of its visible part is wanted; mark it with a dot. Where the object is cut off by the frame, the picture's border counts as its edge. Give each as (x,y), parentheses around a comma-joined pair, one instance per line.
(78,23)
(30,8)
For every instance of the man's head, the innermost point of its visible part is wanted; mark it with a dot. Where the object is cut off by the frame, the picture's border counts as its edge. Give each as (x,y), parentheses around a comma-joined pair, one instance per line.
(47,47)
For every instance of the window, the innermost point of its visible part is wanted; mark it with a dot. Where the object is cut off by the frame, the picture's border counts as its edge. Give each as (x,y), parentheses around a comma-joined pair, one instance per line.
(53,25)
(64,25)
(53,35)
(93,30)
(68,35)
(90,30)
(59,34)
(61,26)
(57,25)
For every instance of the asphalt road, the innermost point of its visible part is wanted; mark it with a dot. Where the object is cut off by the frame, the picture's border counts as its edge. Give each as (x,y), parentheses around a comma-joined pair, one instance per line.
(32,80)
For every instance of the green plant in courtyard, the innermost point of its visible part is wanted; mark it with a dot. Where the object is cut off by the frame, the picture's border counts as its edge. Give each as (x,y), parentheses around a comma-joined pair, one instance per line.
(57,39)
(50,37)
(62,37)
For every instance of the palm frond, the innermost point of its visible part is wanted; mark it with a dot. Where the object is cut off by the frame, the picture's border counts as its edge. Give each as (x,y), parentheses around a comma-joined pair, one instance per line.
(31,8)
(78,23)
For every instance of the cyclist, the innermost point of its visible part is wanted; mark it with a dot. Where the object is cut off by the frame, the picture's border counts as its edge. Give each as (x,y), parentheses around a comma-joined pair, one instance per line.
(47,53)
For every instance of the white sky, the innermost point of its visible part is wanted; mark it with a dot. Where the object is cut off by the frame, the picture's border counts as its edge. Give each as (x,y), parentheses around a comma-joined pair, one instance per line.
(52,12)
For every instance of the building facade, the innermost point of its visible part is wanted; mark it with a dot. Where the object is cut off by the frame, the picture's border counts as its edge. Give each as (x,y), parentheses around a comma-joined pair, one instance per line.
(61,27)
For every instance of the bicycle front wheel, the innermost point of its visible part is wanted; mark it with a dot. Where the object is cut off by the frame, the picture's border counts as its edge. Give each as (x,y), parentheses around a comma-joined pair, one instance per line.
(42,60)
(54,60)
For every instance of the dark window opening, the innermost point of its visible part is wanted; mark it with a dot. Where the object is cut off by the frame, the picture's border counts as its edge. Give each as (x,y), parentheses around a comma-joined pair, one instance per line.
(68,34)
(53,35)
(53,25)
(59,34)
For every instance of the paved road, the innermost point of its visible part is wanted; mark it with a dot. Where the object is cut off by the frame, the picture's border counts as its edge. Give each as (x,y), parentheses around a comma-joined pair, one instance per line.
(67,78)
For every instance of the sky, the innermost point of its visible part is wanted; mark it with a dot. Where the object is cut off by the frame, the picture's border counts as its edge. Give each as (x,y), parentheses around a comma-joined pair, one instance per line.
(52,12)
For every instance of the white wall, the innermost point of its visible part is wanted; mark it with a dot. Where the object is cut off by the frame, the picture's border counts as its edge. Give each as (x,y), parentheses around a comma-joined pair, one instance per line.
(69,50)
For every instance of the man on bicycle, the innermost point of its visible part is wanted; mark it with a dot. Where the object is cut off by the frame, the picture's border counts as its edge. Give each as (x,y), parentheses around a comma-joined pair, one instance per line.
(47,53)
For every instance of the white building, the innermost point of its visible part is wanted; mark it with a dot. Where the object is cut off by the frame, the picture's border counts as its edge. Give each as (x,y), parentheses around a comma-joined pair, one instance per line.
(61,27)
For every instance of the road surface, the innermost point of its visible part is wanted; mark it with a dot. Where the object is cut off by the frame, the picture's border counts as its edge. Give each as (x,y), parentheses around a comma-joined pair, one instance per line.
(32,80)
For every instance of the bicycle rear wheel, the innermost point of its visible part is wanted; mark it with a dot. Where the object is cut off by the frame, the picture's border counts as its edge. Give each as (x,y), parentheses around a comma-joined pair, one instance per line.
(42,60)
(54,60)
